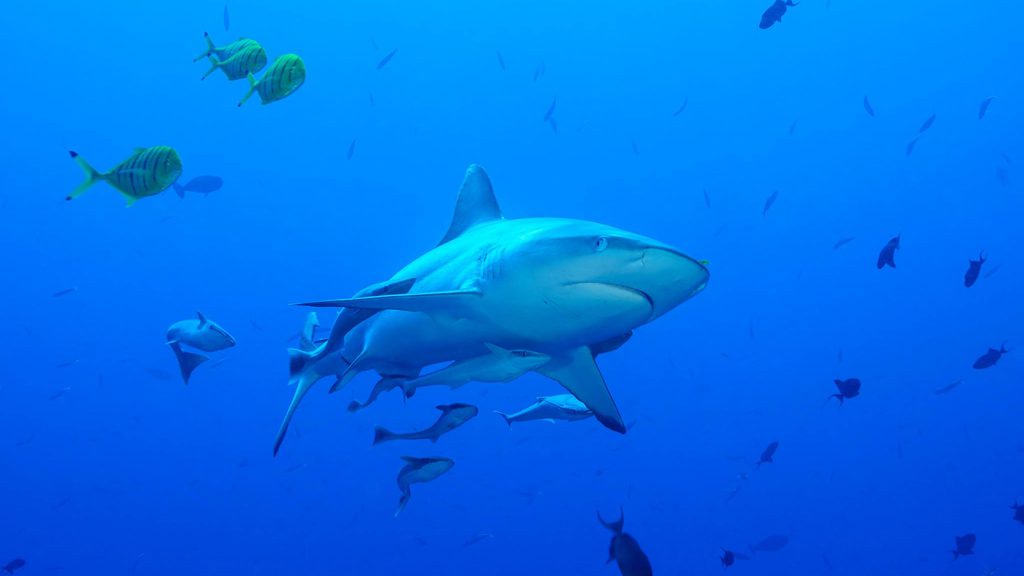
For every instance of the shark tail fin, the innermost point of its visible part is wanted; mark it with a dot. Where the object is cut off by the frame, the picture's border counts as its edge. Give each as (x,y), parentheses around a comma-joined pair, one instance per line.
(302,373)
(187,361)
(381,434)
(505,417)
(92,176)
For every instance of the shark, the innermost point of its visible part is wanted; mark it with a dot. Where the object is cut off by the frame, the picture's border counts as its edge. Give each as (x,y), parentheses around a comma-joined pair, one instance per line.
(498,294)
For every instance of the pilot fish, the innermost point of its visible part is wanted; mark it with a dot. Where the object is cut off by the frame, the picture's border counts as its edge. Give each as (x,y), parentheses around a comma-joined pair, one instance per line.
(284,76)
(147,172)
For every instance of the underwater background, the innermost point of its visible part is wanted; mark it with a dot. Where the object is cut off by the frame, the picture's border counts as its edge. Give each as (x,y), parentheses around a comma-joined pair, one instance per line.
(673,119)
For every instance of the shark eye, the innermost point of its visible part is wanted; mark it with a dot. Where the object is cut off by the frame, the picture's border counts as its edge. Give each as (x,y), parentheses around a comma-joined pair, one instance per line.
(600,244)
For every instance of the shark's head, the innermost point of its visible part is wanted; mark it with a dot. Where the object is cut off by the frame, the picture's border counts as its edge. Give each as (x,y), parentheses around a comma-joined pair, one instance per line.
(604,264)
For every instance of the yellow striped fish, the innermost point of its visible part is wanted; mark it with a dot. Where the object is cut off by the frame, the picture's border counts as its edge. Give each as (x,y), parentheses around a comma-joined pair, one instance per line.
(147,172)
(248,60)
(225,52)
(284,76)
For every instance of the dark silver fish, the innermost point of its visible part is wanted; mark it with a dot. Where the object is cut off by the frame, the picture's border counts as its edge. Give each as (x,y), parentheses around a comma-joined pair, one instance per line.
(769,202)
(200,185)
(973,270)
(477,538)
(227,18)
(792,127)
(351,150)
(13,565)
(387,58)
(926,124)
(774,13)
(553,124)
(625,550)
(887,256)
(768,455)
(947,388)
(501,60)
(868,107)
(983,107)
(707,199)
(843,242)
(849,388)
(551,109)
(682,107)
(772,543)
(64,292)
(990,358)
(910,146)
(964,545)
(538,71)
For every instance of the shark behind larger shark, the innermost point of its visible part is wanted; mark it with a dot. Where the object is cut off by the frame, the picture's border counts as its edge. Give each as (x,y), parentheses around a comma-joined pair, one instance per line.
(555,289)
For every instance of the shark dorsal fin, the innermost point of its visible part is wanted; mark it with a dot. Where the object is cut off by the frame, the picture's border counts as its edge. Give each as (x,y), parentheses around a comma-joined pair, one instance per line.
(476,203)
(202,319)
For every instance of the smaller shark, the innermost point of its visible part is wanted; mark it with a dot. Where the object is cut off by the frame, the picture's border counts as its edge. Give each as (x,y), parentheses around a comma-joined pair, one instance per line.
(418,471)
(201,334)
(452,416)
(496,365)
(550,408)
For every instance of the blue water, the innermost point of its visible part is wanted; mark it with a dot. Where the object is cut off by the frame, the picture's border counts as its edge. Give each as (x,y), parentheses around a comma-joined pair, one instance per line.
(110,465)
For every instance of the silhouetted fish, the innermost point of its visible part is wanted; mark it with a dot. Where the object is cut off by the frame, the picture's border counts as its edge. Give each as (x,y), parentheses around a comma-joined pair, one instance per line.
(501,60)
(868,107)
(983,107)
(887,256)
(769,202)
(772,543)
(973,270)
(636,151)
(13,565)
(625,550)
(452,416)
(64,292)
(990,358)
(728,558)
(682,107)
(964,545)
(792,127)
(227,18)
(387,58)
(707,199)
(774,13)
(372,101)
(551,109)
(843,242)
(947,388)
(199,184)
(553,124)
(849,388)
(910,146)
(538,71)
(351,150)
(926,124)
(477,538)
(1018,512)
(768,455)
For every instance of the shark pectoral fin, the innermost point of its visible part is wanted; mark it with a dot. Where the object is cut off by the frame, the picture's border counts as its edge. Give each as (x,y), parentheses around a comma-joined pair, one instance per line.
(187,361)
(611,345)
(345,377)
(576,372)
(424,302)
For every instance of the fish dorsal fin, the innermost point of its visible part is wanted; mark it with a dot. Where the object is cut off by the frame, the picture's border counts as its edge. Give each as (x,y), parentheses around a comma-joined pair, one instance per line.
(476,203)
(202,319)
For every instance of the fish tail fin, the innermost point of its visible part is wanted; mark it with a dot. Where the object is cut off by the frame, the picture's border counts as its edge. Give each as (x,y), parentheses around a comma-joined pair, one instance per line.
(92,176)
(402,502)
(209,48)
(214,64)
(381,434)
(187,361)
(252,88)
(504,417)
(179,190)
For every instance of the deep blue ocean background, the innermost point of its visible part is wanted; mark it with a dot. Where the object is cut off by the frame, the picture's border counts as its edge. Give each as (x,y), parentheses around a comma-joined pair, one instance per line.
(128,471)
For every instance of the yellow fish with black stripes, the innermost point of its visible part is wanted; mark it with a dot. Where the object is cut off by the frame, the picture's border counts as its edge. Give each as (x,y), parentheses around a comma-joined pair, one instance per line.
(147,172)
(248,60)
(225,52)
(284,76)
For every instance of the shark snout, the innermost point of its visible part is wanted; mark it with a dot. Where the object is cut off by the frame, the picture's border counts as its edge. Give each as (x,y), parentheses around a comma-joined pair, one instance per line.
(668,277)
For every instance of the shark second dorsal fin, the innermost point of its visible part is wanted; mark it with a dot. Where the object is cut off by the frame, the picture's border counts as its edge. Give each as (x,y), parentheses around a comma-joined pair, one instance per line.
(476,203)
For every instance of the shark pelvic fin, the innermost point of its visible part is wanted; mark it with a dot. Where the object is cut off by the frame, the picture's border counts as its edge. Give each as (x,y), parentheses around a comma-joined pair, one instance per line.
(578,373)
(476,203)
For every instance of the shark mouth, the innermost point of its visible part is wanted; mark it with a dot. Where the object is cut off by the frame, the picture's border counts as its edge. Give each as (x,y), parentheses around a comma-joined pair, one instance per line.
(628,289)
